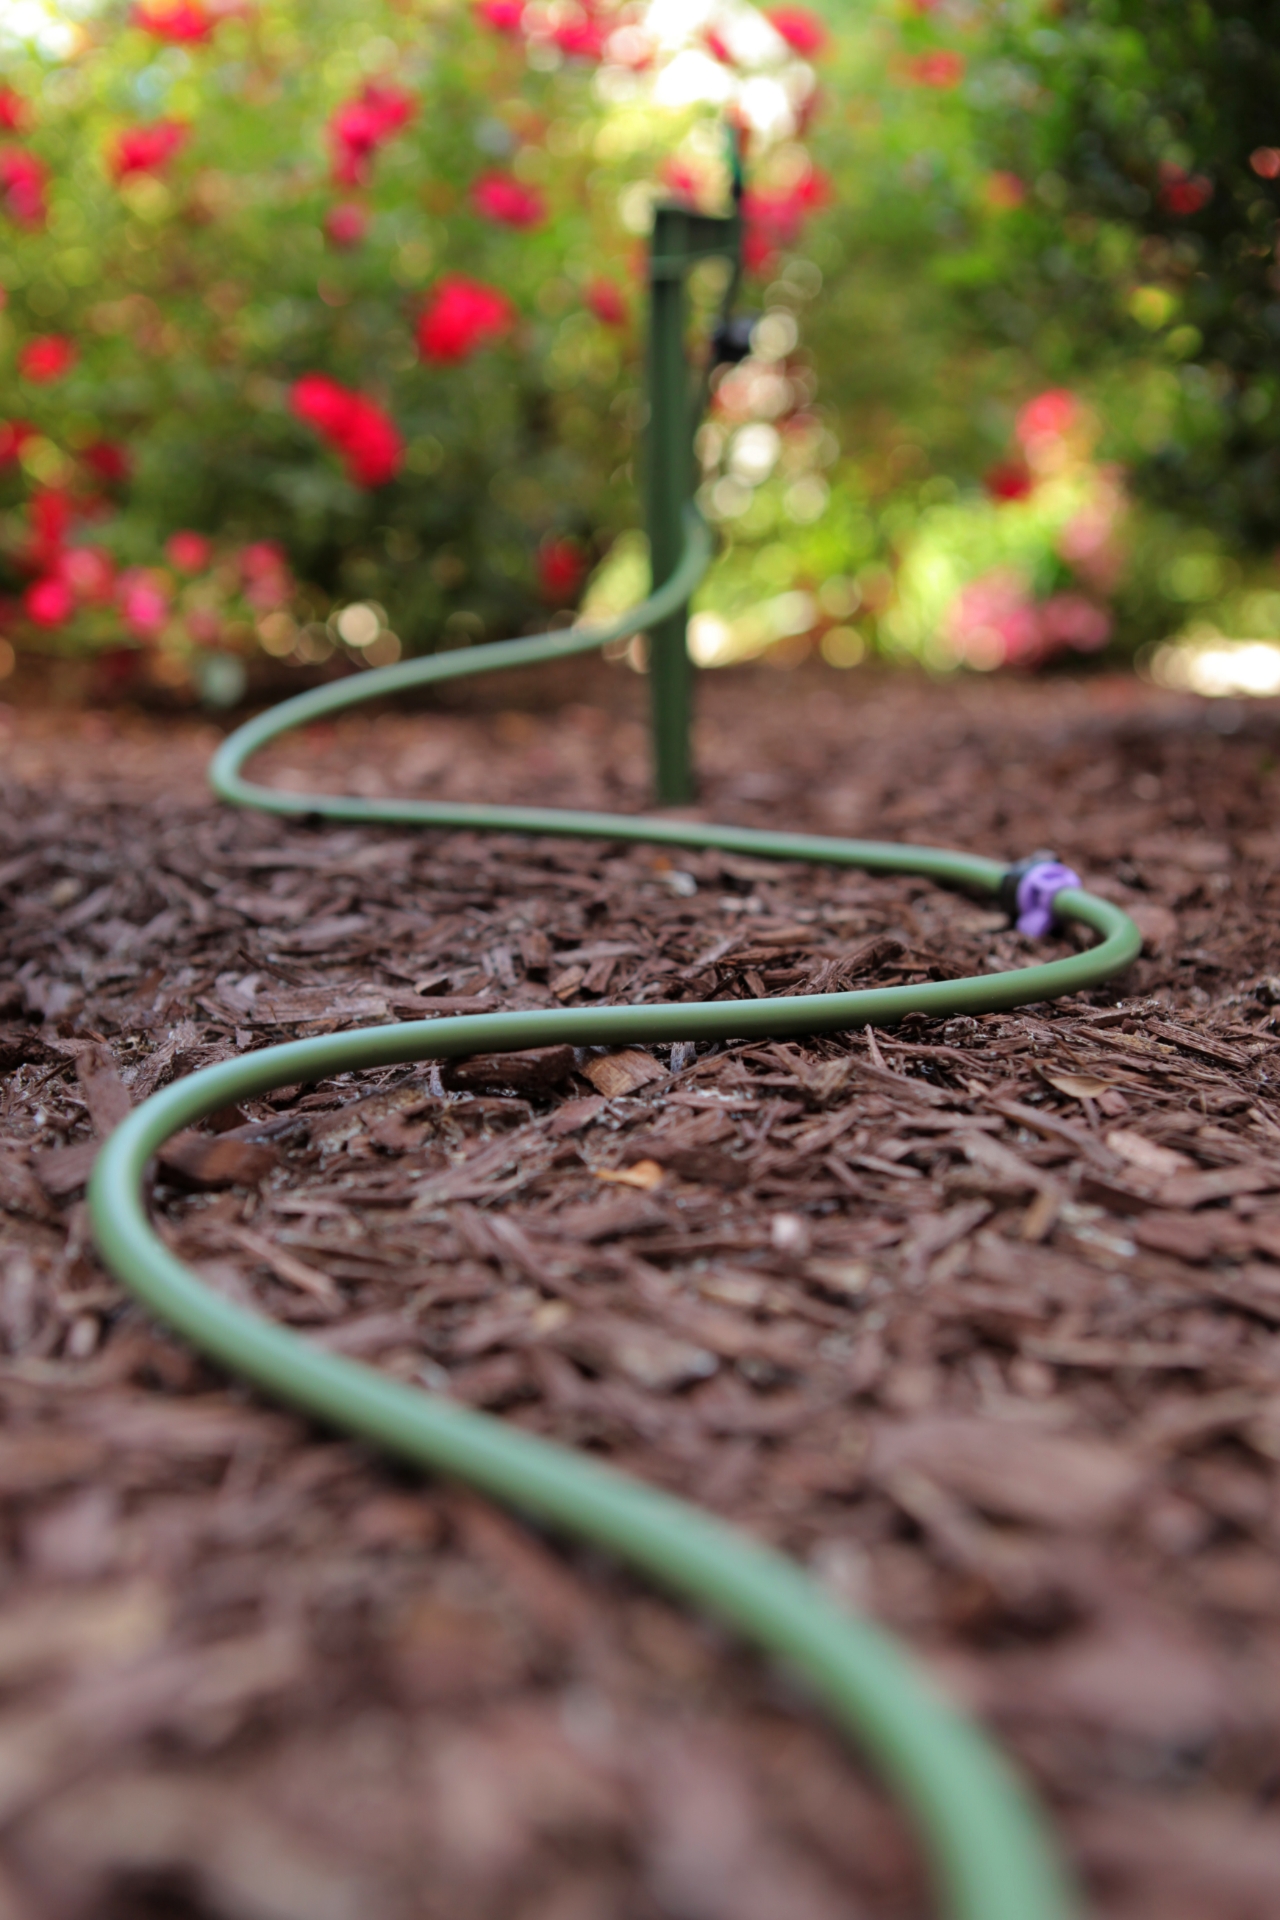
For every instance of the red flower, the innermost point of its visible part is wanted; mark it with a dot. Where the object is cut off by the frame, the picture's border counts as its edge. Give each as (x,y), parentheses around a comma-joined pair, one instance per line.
(179,21)
(357,129)
(718,47)
(49,602)
(463,315)
(1181,193)
(50,518)
(605,299)
(14,435)
(146,149)
(346,224)
(581,37)
(681,180)
(496,196)
(1008,483)
(1050,415)
(354,424)
(1265,162)
(22,185)
(775,220)
(13,111)
(942,69)
(562,568)
(109,462)
(188,552)
(802,30)
(47,358)
(504,16)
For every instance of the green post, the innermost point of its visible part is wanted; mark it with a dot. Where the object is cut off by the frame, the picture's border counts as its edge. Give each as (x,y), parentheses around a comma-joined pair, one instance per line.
(680,238)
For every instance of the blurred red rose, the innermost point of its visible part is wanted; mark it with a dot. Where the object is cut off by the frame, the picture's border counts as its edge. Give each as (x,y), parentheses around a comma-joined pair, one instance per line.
(606,300)
(357,129)
(143,599)
(23,179)
(47,358)
(188,552)
(496,196)
(346,224)
(146,149)
(562,568)
(941,69)
(14,435)
(13,111)
(109,462)
(1008,482)
(49,602)
(1182,193)
(355,425)
(462,316)
(504,16)
(88,571)
(802,30)
(179,21)
(50,518)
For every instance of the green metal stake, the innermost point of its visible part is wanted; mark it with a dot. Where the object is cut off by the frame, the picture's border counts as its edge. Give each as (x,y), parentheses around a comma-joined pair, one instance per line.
(681,237)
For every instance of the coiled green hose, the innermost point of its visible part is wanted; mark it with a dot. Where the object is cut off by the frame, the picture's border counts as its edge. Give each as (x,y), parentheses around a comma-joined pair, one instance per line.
(990,1854)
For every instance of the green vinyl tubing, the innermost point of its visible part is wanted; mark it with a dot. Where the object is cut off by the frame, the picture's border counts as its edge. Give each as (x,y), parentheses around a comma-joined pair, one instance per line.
(991,1856)
(990,1853)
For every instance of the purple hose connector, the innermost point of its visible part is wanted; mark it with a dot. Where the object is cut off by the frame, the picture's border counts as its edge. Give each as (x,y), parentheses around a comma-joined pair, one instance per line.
(1037,890)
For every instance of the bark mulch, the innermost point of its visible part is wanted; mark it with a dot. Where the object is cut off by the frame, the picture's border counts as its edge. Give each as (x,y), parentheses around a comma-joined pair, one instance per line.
(978,1318)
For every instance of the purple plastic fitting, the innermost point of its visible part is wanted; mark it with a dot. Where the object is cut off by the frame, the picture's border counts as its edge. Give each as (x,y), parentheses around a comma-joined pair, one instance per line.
(1037,890)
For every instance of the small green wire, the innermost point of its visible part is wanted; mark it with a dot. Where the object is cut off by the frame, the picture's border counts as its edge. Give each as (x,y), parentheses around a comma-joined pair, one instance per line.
(991,1856)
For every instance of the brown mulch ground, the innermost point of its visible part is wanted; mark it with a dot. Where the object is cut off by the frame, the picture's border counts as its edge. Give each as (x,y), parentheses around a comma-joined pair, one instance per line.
(980,1321)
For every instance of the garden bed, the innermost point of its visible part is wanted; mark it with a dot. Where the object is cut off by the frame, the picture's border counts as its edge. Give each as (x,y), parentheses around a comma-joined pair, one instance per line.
(978,1318)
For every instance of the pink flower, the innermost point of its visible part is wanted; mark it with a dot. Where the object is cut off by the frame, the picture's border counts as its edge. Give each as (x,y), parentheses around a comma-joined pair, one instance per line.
(463,315)
(1048,417)
(47,358)
(1069,620)
(146,149)
(188,552)
(802,30)
(774,220)
(504,16)
(354,424)
(23,179)
(497,197)
(88,571)
(143,599)
(357,129)
(942,69)
(718,47)
(203,625)
(265,571)
(13,111)
(263,558)
(1182,193)
(562,568)
(606,300)
(346,224)
(580,37)
(49,602)
(182,22)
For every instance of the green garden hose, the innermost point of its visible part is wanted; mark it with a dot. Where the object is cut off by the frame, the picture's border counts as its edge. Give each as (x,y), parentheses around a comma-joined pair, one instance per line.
(990,1854)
